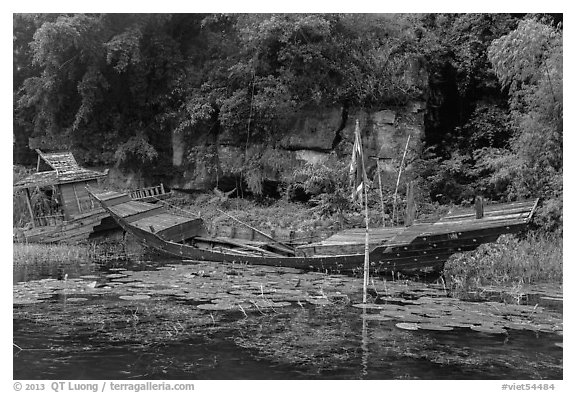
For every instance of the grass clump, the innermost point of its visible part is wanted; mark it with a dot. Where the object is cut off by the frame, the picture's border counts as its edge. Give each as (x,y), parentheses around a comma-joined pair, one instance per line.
(275,214)
(30,253)
(509,262)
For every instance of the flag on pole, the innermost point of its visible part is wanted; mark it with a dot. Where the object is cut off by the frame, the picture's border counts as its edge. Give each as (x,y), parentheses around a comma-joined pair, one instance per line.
(357,173)
(358,180)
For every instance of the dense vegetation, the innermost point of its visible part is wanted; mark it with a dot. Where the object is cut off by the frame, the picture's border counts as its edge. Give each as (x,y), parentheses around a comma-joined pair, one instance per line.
(114,87)
(510,262)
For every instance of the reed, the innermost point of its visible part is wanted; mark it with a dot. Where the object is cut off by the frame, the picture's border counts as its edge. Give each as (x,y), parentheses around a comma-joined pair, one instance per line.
(24,253)
(509,262)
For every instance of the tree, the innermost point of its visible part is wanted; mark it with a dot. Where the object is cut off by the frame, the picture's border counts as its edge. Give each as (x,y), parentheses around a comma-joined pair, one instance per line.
(106,83)
(528,63)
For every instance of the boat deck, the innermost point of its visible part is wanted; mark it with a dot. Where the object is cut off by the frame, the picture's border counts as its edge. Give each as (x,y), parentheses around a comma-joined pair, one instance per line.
(152,218)
(452,226)
(350,241)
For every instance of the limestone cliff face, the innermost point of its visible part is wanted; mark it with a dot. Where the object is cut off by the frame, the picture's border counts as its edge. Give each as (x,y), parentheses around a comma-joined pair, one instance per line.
(311,135)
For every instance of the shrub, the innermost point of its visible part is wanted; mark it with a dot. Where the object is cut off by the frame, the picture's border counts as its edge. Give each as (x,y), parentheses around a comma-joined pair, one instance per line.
(509,261)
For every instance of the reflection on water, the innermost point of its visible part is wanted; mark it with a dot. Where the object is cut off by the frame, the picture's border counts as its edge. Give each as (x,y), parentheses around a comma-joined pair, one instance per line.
(157,320)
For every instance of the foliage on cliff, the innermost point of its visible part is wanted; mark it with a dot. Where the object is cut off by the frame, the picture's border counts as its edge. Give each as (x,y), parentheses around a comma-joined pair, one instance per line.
(114,87)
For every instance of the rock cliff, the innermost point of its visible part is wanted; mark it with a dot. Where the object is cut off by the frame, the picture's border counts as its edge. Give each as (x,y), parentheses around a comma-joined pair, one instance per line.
(204,160)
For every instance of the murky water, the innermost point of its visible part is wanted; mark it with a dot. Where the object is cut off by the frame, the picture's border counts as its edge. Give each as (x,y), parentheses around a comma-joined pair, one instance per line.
(172,320)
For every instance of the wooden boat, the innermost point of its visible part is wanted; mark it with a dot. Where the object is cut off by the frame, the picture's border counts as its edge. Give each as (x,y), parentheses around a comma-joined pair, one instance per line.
(422,246)
(64,211)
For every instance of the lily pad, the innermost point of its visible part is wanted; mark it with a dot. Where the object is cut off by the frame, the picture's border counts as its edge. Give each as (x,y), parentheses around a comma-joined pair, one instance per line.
(459,324)
(433,326)
(375,306)
(26,301)
(407,326)
(376,317)
(76,299)
(217,306)
(134,297)
(394,313)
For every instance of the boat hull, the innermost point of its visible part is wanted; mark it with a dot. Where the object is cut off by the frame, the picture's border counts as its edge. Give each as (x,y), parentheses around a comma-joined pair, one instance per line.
(421,247)
(72,231)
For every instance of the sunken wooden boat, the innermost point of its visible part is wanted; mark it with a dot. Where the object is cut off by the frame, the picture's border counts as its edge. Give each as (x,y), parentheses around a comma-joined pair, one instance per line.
(60,208)
(420,247)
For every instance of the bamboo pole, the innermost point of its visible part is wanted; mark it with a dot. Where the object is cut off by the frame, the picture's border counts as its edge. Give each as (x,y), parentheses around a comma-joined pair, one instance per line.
(381,193)
(394,211)
(366,249)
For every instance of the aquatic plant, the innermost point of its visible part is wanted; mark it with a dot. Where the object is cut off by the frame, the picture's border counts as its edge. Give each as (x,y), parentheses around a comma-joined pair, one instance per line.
(510,261)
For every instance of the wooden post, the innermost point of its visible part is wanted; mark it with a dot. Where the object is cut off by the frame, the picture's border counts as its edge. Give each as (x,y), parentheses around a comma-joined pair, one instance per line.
(479,204)
(77,200)
(90,198)
(410,205)
(398,180)
(30,210)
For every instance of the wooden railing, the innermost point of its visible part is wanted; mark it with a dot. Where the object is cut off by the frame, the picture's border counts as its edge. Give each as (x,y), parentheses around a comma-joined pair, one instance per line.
(49,220)
(148,192)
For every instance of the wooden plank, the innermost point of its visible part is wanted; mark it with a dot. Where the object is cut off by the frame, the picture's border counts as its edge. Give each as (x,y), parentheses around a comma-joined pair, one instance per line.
(491,210)
(84,221)
(76,196)
(144,214)
(96,211)
(470,225)
(184,231)
(117,200)
(533,208)
(130,208)
(161,222)
(70,208)
(234,242)
(472,216)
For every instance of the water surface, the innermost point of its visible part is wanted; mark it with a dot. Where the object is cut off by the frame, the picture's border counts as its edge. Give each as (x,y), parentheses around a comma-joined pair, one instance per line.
(170,320)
